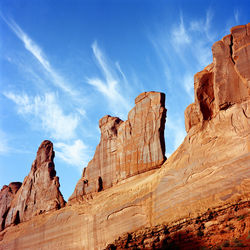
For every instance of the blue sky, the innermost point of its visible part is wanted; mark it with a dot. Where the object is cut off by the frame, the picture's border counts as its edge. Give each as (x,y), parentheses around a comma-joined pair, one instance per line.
(66,64)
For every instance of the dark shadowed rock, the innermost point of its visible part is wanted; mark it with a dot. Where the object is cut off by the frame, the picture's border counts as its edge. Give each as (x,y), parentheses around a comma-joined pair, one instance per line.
(7,194)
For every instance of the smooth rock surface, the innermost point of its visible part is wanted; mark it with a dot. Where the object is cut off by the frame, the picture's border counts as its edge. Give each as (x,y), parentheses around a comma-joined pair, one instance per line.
(126,148)
(39,192)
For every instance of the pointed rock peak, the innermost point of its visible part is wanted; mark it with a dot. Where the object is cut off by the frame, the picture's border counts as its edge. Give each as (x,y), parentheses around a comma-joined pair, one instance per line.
(45,158)
(126,148)
(45,152)
(39,192)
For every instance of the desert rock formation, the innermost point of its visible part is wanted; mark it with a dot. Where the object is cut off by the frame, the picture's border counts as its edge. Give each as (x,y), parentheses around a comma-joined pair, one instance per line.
(7,194)
(209,170)
(39,192)
(224,82)
(126,148)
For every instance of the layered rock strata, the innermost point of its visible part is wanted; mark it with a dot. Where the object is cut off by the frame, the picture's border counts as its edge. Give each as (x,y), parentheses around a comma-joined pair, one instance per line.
(216,229)
(224,82)
(209,170)
(39,192)
(126,148)
(7,194)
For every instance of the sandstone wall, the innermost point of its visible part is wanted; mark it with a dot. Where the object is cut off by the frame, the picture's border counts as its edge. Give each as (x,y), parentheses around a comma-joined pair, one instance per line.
(209,170)
(126,148)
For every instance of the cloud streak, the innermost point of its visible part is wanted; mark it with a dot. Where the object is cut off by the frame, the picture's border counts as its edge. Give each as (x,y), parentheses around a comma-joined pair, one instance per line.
(183,49)
(75,154)
(175,130)
(46,113)
(4,148)
(179,34)
(109,86)
(37,52)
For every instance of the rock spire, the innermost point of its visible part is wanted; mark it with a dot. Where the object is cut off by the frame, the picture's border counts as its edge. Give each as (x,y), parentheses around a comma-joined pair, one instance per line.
(39,192)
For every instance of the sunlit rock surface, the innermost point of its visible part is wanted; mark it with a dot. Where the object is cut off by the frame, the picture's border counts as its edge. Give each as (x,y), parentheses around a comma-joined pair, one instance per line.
(39,192)
(224,82)
(126,148)
(210,169)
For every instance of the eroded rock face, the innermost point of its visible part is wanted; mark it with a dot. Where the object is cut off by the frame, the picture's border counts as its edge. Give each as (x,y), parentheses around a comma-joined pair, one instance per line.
(7,194)
(228,227)
(209,172)
(126,148)
(224,82)
(39,192)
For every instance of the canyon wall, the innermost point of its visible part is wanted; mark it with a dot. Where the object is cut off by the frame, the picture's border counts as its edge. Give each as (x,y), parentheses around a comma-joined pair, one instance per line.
(209,170)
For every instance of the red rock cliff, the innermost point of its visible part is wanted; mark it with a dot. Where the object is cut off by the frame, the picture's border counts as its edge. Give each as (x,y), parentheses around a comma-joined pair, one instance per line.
(39,192)
(126,148)
(7,194)
(208,172)
(224,82)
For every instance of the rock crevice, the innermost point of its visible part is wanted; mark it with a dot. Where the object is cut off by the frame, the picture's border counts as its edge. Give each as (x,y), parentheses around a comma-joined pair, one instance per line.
(225,82)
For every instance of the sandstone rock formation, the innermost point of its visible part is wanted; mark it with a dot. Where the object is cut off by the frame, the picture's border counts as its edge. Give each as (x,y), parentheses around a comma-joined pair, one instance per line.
(210,170)
(39,192)
(7,194)
(224,82)
(216,229)
(126,148)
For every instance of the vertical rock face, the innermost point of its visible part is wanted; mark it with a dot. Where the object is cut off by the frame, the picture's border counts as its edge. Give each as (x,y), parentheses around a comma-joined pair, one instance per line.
(39,192)
(126,148)
(224,82)
(7,194)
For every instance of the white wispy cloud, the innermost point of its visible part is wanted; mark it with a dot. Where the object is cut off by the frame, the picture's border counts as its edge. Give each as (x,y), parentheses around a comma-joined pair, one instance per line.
(186,44)
(236,16)
(179,34)
(207,25)
(46,113)
(202,25)
(183,49)
(175,127)
(76,154)
(37,52)
(188,82)
(4,148)
(109,85)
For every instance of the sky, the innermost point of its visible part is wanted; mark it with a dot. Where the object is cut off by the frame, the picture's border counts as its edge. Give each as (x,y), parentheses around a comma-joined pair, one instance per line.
(66,64)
